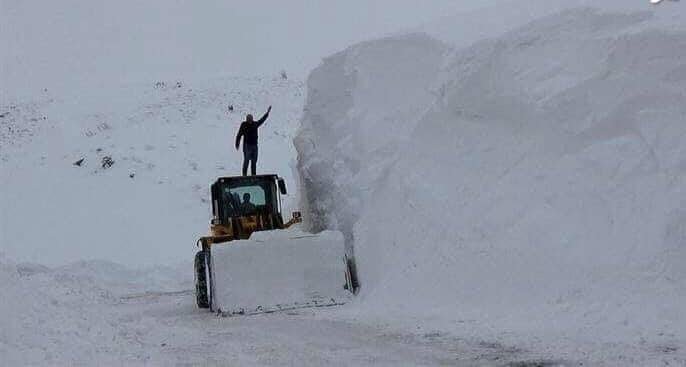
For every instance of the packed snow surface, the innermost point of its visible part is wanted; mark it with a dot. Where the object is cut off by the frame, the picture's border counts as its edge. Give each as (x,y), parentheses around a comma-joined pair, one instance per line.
(96,313)
(279,270)
(529,186)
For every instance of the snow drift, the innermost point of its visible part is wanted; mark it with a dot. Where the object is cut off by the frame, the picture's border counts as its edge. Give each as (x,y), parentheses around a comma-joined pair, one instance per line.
(535,179)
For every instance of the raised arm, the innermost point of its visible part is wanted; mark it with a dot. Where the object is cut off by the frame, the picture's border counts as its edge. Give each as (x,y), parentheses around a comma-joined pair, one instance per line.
(264,118)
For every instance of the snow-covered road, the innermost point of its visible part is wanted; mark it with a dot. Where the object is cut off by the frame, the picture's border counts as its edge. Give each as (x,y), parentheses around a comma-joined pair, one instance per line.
(184,335)
(100,313)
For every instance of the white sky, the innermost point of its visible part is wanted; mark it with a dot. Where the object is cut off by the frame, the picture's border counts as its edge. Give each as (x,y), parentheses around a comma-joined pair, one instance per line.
(85,42)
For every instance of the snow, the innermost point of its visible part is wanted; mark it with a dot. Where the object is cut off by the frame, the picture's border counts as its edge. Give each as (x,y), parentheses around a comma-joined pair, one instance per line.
(511,190)
(99,313)
(69,315)
(174,140)
(530,185)
(276,270)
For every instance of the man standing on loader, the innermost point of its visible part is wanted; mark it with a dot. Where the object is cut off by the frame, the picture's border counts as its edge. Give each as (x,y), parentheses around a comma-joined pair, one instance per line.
(248,131)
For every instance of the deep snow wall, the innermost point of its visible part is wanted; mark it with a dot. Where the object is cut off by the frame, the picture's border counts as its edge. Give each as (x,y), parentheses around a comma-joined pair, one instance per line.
(536,175)
(340,152)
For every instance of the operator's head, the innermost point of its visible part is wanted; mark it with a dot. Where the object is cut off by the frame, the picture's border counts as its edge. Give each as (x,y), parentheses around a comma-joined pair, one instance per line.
(246,197)
(248,118)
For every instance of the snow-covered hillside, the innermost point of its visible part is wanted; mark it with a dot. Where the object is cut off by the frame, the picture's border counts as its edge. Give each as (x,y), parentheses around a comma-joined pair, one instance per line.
(169,140)
(527,185)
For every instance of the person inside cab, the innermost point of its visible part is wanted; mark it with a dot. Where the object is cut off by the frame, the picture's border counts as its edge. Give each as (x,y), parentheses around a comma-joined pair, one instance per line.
(247,207)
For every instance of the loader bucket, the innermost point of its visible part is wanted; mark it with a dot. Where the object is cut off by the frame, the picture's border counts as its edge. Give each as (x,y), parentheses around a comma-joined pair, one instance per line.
(279,270)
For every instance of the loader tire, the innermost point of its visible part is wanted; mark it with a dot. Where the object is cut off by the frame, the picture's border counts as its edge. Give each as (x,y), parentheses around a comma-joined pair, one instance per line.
(201,296)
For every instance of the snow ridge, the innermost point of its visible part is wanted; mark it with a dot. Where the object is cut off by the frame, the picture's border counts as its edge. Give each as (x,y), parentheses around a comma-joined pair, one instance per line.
(533,181)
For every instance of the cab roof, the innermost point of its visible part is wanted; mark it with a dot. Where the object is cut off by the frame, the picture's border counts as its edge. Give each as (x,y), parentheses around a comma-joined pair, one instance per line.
(246,179)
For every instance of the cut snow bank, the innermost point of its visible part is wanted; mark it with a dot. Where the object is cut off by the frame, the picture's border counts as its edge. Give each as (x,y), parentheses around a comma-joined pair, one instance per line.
(385,81)
(534,181)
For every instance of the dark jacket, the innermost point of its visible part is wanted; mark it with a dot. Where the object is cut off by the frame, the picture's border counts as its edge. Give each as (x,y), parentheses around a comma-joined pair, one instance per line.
(248,131)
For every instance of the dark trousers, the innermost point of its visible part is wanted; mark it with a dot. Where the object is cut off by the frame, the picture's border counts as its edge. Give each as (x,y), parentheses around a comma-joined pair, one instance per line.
(249,156)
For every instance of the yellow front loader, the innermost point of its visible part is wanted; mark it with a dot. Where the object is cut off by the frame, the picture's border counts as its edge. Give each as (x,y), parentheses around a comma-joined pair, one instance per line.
(254,262)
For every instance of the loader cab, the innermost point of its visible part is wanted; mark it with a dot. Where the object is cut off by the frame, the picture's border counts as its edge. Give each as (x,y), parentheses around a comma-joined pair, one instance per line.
(245,204)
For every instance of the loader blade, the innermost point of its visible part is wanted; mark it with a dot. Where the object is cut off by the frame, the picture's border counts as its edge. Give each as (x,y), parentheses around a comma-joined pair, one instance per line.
(279,270)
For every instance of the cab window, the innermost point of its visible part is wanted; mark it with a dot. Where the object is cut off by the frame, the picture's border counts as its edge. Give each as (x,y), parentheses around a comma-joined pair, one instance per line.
(244,200)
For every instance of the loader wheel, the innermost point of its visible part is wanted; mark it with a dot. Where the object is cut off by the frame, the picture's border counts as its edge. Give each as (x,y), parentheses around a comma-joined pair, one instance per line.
(201,281)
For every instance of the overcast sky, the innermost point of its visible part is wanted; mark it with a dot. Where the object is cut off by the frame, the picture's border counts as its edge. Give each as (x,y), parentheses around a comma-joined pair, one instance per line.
(72,42)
